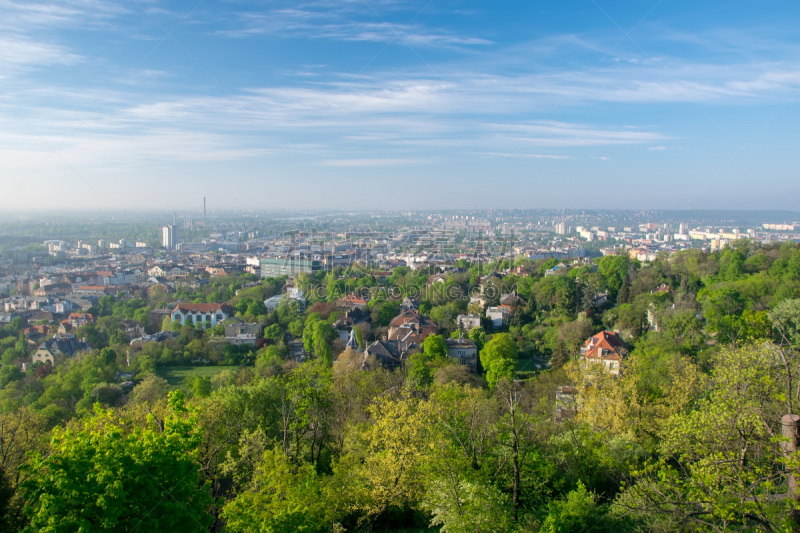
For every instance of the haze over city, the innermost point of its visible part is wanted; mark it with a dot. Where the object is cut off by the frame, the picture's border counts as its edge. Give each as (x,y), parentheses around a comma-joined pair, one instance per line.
(408,105)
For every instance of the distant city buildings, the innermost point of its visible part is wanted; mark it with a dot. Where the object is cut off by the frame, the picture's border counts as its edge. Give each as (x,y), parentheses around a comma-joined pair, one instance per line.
(169,236)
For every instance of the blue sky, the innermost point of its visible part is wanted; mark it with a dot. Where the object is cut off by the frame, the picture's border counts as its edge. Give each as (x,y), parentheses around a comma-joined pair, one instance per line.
(382,104)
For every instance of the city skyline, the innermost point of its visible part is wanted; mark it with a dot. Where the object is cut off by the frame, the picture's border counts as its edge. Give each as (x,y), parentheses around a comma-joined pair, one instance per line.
(383,105)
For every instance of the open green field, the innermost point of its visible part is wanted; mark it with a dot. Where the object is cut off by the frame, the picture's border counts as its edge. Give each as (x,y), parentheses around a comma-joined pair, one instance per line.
(176,375)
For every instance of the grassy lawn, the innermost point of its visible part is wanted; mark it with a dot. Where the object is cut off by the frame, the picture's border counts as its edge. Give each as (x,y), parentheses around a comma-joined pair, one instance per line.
(524,365)
(176,375)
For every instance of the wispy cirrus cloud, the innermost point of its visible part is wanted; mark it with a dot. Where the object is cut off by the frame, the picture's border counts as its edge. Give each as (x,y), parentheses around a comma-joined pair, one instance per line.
(369,162)
(341,21)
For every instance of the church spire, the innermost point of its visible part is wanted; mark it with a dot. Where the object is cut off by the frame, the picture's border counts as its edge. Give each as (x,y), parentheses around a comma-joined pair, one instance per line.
(352,342)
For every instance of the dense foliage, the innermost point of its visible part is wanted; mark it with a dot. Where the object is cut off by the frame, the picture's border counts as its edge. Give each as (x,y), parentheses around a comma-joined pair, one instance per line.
(688,436)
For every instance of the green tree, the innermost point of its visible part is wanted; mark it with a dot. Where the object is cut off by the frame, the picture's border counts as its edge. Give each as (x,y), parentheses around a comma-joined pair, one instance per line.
(108,356)
(324,335)
(22,344)
(499,358)
(101,477)
(435,348)
(785,318)
(467,507)
(150,390)
(201,386)
(281,497)
(273,332)
(579,511)
(359,338)
(478,336)
(420,373)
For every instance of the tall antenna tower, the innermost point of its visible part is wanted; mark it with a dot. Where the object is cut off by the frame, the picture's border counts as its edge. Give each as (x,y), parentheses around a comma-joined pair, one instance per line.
(204,211)
(173,218)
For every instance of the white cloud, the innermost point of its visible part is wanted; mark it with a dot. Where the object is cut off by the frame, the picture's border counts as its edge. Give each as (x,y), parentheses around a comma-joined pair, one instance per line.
(368,162)
(18,52)
(543,156)
(340,21)
(657,148)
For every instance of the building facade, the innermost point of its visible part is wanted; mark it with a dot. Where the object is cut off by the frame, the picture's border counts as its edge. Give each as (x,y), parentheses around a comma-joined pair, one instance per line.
(464,351)
(169,237)
(275,267)
(209,314)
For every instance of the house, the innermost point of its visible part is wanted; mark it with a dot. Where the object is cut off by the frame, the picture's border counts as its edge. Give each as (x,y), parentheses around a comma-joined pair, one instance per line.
(498,315)
(210,314)
(66,346)
(467,322)
(242,338)
(42,315)
(77,320)
(352,300)
(5,319)
(391,354)
(155,318)
(35,334)
(606,347)
(272,303)
(408,333)
(296,351)
(511,299)
(53,288)
(131,328)
(90,290)
(139,342)
(437,278)
(294,294)
(243,328)
(464,351)
(557,270)
(82,303)
(239,333)
(408,305)
(411,318)
(345,322)
(157,271)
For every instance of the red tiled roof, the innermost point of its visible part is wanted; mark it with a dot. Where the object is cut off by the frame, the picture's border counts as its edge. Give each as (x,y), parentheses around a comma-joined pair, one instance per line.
(605,345)
(352,298)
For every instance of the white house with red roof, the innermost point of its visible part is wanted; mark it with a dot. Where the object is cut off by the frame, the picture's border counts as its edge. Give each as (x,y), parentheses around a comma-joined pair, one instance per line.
(606,347)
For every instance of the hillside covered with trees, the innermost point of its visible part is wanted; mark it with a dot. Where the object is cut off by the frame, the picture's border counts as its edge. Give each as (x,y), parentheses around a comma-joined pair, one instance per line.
(698,432)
